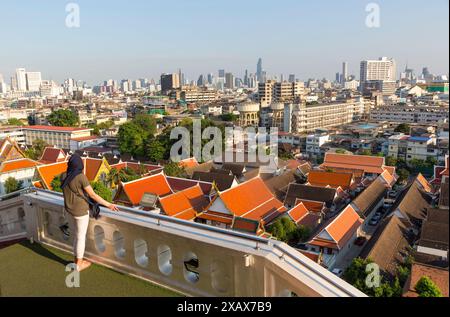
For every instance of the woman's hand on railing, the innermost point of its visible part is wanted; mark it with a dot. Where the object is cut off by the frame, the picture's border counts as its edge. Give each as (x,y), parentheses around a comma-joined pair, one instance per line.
(113,207)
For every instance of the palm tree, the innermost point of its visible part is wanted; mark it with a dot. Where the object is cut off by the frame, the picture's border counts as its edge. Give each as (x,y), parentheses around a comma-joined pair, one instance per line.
(113,177)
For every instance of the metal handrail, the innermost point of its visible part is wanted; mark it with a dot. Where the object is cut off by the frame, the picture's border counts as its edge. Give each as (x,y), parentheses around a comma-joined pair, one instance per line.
(305,264)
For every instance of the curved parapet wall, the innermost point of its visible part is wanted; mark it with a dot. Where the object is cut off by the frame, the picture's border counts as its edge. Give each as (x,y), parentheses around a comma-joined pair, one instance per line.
(248,107)
(191,258)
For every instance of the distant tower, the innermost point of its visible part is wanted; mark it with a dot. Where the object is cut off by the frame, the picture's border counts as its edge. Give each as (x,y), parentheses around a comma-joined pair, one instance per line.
(259,70)
(344,72)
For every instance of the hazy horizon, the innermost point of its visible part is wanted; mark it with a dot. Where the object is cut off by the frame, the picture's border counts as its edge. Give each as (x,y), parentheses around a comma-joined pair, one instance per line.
(142,39)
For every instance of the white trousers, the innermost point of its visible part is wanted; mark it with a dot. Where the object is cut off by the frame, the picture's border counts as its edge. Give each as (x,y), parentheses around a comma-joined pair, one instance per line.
(79,239)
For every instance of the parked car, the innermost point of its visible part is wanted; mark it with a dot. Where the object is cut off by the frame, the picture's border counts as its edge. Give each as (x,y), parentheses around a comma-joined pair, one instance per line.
(392,194)
(338,272)
(360,241)
(374,222)
(377,216)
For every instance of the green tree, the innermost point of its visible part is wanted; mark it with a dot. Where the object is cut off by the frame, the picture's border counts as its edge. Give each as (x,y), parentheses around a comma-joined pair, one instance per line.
(403,175)
(56,184)
(403,128)
(12,185)
(146,122)
(131,139)
(366,152)
(277,230)
(63,118)
(229,117)
(155,150)
(425,287)
(15,121)
(134,135)
(36,150)
(174,169)
(101,190)
(341,151)
(391,161)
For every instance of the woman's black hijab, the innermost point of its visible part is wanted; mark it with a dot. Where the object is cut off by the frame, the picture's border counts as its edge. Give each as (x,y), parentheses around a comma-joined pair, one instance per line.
(74,168)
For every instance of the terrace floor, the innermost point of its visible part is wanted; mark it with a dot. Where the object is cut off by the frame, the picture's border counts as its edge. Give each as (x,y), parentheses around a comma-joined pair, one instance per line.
(34,270)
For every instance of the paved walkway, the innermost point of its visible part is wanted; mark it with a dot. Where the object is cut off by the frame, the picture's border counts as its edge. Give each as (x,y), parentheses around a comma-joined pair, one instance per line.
(34,270)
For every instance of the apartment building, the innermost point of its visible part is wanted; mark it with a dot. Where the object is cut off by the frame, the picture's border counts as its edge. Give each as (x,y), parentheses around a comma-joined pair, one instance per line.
(314,143)
(410,114)
(411,148)
(308,118)
(378,75)
(14,133)
(193,94)
(272,91)
(54,136)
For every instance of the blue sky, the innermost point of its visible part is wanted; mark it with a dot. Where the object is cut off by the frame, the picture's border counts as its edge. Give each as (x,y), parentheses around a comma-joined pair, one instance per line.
(142,38)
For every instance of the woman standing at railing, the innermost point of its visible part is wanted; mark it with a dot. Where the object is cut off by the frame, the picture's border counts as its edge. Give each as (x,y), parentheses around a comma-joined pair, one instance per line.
(76,189)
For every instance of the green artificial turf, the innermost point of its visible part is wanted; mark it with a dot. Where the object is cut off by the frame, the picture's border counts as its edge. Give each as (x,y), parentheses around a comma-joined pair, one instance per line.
(35,270)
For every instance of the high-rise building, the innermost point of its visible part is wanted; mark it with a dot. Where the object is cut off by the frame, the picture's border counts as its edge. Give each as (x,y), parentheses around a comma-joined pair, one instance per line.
(201,81)
(246,78)
(210,79)
(379,75)
(381,69)
(34,80)
(169,82)
(344,72)
(221,73)
(20,80)
(259,71)
(292,78)
(229,81)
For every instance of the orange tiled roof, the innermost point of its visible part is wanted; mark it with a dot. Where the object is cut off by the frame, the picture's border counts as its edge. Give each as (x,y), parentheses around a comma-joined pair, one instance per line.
(424,183)
(218,217)
(298,212)
(389,178)
(335,180)
(91,167)
(52,155)
(390,169)
(251,198)
(9,166)
(312,206)
(184,204)
(136,166)
(155,184)
(369,164)
(340,229)
(50,171)
(189,163)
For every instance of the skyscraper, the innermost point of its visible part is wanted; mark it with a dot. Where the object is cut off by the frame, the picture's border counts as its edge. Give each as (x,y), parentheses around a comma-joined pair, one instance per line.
(292,78)
(34,80)
(259,70)
(229,81)
(221,73)
(21,79)
(379,74)
(344,72)
(169,82)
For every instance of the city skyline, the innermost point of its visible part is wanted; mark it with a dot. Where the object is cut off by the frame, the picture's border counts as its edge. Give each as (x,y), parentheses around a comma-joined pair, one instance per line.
(151,38)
